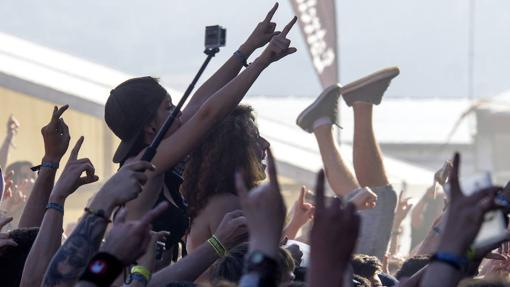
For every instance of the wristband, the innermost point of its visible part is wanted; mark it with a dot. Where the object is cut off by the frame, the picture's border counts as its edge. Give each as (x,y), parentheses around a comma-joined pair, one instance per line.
(45,164)
(217,246)
(241,57)
(56,206)
(102,269)
(138,277)
(460,263)
(501,200)
(99,213)
(139,270)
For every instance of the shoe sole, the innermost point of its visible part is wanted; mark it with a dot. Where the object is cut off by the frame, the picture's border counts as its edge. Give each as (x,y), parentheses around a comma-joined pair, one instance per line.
(325,93)
(372,78)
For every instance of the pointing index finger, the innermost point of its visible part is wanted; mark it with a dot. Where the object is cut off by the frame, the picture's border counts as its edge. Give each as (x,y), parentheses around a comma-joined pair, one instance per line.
(271,12)
(287,28)
(302,195)
(271,169)
(76,149)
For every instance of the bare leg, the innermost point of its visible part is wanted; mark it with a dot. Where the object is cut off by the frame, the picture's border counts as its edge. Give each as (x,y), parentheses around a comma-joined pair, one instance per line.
(338,174)
(368,162)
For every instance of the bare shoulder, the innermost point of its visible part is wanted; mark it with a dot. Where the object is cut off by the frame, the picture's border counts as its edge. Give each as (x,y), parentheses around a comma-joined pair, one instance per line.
(210,217)
(222,203)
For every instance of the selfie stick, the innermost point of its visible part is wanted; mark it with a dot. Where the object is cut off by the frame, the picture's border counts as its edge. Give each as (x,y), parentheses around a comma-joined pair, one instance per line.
(150,152)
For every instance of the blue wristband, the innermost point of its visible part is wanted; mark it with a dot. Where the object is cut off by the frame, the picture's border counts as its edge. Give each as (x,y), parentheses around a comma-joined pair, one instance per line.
(56,206)
(501,200)
(138,277)
(460,263)
(45,164)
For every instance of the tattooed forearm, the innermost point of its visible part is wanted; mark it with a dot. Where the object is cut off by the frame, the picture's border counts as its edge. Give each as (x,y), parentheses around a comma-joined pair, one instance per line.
(72,258)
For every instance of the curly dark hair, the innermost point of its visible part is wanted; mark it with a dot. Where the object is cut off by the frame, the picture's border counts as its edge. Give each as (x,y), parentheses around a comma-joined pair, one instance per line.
(229,146)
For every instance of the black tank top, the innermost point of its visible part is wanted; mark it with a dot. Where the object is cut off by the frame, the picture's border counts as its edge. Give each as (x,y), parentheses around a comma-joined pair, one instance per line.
(175,219)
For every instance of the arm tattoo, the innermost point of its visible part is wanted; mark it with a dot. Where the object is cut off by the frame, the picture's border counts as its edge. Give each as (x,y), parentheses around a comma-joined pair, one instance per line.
(72,257)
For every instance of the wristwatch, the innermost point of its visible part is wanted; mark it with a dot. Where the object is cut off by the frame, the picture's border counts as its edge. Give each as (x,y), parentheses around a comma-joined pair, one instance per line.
(260,270)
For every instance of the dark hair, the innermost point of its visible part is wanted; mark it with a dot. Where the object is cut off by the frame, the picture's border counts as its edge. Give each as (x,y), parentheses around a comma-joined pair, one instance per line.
(412,265)
(230,267)
(229,146)
(13,258)
(360,281)
(366,266)
(16,167)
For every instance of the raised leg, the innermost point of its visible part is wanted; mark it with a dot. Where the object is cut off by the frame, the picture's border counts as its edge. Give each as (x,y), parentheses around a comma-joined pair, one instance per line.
(339,176)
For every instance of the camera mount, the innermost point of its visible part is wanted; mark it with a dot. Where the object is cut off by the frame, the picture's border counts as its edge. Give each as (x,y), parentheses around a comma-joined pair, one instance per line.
(150,152)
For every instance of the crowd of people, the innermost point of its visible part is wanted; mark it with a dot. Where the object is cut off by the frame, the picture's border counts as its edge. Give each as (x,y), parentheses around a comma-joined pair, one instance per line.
(203,213)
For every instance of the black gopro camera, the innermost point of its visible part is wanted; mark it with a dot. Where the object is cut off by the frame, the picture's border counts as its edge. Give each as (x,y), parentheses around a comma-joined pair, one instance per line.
(215,36)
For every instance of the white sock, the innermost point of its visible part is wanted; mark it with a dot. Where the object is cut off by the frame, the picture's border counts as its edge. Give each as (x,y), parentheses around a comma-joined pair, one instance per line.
(322,122)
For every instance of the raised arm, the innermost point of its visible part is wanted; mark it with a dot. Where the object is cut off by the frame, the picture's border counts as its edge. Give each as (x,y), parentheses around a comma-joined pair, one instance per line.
(465,217)
(50,234)
(333,239)
(72,257)
(264,31)
(176,147)
(117,252)
(12,130)
(56,141)
(231,231)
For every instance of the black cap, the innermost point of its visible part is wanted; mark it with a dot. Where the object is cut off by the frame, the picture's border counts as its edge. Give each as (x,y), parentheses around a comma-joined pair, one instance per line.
(129,108)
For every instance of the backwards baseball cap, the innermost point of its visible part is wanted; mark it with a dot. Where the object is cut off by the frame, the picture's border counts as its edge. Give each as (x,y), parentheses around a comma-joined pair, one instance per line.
(129,108)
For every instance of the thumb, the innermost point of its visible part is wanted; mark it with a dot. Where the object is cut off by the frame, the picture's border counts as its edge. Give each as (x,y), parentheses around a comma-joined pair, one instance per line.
(290,50)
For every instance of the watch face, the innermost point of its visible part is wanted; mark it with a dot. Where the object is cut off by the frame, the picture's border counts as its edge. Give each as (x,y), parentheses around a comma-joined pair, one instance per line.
(257,257)
(98,267)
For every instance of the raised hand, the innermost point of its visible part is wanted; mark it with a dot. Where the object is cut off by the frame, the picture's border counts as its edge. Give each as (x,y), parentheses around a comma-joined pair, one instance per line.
(71,178)
(233,229)
(125,185)
(441,176)
(56,136)
(300,214)
(364,199)
(403,207)
(332,239)
(265,211)
(264,31)
(128,241)
(149,259)
(466,213)
(12,127)
(279,46)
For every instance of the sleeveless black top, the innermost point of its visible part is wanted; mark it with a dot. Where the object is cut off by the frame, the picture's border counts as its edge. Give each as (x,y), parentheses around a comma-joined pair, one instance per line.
(175,219)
